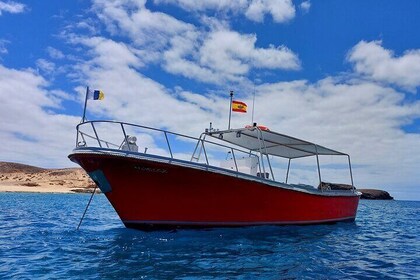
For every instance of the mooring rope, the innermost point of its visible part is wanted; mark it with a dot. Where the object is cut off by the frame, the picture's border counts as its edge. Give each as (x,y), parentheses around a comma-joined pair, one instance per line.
(87,206)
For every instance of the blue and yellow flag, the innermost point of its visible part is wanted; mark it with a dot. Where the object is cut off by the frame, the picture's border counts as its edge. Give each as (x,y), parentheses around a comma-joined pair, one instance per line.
(96,94)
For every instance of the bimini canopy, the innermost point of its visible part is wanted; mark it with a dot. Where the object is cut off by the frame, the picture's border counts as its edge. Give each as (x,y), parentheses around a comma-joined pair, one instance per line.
(271,143)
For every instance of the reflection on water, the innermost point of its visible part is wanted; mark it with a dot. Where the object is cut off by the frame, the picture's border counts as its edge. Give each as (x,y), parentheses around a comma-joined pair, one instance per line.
(38,238)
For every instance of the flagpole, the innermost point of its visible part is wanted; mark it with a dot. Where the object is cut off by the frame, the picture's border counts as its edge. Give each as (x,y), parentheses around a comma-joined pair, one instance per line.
(230,107)
(84,109)
(253,104)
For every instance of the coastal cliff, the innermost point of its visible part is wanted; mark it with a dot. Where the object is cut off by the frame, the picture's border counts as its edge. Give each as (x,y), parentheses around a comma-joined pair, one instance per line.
(366,193)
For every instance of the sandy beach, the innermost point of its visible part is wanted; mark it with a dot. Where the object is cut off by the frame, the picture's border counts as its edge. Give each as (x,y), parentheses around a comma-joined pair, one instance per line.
(16,177)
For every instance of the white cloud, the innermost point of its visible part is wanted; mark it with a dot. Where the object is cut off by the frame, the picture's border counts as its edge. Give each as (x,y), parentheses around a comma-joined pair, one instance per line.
(373,61)
(361,118)
(128,94)
(255,10)
(224,55)
(142,26)
(218,5)
(280,10)
(232,53)
(55,53)
(11,7)
(31,133)
(213,54)
(112,55)
(305,6)
(45,65)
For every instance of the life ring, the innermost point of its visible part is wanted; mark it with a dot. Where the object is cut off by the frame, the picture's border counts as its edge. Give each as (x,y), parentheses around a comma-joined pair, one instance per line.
(261,127)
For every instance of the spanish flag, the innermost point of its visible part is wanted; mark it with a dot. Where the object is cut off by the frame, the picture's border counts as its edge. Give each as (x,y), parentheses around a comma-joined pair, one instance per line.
(96,94)
(238,106)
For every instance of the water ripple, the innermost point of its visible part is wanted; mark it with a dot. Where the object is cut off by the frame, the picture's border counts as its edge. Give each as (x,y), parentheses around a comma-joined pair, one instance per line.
(38,239)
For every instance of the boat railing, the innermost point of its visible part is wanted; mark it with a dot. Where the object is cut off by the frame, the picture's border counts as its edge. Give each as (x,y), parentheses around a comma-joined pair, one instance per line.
(139,139)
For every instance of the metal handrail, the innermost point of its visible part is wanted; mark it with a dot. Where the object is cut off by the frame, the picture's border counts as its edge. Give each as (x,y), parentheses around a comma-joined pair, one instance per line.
(93,137)
(201,141)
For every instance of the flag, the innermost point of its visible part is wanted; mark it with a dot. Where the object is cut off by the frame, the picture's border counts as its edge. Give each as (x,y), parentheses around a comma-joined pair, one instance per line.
(95,94)
(238,106)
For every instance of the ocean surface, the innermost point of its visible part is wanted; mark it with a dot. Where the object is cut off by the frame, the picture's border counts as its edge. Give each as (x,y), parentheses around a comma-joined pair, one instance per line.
(39,240)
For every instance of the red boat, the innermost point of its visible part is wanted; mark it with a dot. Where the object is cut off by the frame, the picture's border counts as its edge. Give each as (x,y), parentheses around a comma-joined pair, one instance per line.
(227,181)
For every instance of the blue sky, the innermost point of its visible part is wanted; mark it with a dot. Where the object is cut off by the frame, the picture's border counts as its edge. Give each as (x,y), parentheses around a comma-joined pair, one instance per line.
(344,74)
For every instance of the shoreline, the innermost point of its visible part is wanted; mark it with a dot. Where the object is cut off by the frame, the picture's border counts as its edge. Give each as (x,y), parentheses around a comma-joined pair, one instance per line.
(40,189)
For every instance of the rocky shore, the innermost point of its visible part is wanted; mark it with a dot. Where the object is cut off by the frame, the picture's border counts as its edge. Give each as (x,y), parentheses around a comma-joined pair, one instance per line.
(366,193)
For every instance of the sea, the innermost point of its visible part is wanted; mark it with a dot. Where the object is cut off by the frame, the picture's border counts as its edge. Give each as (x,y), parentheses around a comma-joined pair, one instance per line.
(39,240)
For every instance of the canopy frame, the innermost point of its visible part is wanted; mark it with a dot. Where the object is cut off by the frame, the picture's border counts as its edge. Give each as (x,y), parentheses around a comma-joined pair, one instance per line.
(265,142)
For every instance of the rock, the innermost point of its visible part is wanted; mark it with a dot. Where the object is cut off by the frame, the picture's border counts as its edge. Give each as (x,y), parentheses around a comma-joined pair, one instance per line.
(375,194)
(366,193)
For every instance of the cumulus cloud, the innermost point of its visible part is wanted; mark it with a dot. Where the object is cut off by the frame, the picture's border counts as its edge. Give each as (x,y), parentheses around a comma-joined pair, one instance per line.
(218,5)
(11,7)
(107,53)
(233,53)
(255,10)
(280,10)
(358,117)
(130,95)
(142,26)
(214,54)
(373,61)
(31,131)
(224,55)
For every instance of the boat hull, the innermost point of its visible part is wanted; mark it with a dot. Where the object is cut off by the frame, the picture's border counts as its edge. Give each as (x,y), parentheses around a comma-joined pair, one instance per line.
(151,194)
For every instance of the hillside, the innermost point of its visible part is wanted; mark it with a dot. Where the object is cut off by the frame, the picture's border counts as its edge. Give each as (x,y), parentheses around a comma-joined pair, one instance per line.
(12,167)
(25,178)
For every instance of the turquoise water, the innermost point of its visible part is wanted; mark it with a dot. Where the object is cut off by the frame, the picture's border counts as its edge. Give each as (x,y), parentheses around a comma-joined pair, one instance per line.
(38,240)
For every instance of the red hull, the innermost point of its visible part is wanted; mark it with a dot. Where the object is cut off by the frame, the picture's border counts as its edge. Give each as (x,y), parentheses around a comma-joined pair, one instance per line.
(148,193)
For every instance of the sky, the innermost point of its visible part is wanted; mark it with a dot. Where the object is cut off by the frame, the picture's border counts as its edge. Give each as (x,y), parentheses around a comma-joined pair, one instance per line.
(344,74)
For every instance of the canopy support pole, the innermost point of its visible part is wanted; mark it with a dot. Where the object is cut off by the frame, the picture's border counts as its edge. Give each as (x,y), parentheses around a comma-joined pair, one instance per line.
(288,168)
(317,162)
(265,150)
(351,174)
(261,154)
